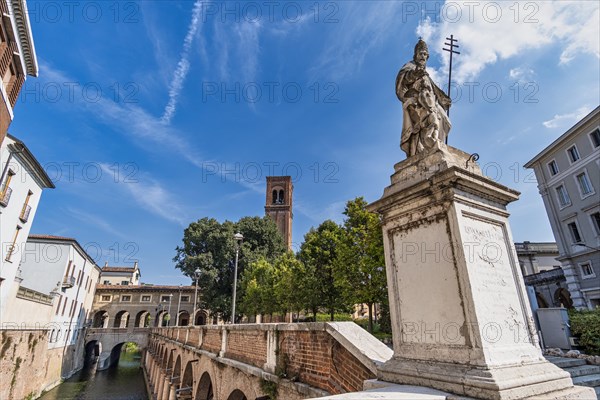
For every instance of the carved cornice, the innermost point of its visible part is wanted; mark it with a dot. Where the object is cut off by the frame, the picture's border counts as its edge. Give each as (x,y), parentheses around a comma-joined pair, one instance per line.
(24,36)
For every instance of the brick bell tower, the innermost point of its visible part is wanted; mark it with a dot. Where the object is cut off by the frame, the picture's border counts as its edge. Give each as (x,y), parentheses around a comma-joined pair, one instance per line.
(279,205)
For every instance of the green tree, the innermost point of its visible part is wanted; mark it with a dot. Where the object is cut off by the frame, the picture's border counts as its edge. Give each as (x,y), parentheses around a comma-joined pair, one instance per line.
(257,284)
(208,245)
(289,287)
(361,263)
(319,253)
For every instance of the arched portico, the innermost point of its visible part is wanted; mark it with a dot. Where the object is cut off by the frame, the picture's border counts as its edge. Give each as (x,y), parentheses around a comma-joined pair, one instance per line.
(200,318)
(205,388)
(121,319)
(237,394)
(142,319)
(183,319)
(100,319)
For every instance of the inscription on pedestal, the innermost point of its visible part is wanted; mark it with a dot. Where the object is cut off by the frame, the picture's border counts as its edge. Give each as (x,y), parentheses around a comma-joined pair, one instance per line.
(493,281)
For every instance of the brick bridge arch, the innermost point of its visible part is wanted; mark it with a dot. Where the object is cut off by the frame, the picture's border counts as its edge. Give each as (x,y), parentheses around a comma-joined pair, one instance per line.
(241,362)
(106,343)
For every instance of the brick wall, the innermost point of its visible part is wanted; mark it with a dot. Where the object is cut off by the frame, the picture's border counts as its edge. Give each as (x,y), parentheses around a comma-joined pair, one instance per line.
(212,341)
(316,358)
(248,346)
(305,353)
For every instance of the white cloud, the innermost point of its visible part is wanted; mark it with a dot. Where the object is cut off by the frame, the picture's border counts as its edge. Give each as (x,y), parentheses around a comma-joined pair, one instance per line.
(560,120)
(521,74)
(492,31)
(183,66)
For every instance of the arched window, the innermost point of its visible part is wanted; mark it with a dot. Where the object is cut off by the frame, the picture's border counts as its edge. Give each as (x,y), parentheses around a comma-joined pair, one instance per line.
(274,196)
(281,197)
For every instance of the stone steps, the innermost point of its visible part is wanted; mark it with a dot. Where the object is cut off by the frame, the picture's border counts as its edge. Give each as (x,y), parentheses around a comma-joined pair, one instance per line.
(583,370)
(582,373)
(587,380)
(564,362)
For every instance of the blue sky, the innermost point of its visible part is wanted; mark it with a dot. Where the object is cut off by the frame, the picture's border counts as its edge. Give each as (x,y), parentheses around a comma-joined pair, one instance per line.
(149,115)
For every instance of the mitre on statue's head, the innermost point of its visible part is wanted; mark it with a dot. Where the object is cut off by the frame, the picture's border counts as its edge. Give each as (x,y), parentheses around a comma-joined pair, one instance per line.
(421,45)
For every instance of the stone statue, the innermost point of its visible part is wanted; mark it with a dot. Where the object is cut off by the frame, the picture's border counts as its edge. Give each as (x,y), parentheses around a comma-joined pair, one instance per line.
(425,120)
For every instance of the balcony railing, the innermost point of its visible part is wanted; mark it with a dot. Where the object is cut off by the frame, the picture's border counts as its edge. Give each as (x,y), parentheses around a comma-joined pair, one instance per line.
(25,213)
(551,275)
(68,282)
(5,197)
(33,295)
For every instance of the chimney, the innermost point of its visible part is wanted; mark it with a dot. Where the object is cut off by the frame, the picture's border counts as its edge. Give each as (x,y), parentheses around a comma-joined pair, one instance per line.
(105,264)
(135,264)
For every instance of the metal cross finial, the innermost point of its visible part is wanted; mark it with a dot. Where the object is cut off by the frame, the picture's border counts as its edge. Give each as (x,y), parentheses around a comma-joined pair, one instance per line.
(451,50)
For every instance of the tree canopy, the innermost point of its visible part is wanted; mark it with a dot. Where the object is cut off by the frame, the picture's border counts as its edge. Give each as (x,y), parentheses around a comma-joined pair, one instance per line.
(209,246)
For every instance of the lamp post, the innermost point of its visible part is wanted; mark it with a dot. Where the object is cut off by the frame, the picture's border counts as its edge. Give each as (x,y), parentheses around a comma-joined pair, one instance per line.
(196,276)
(178,307)
(170,299)
(238,238)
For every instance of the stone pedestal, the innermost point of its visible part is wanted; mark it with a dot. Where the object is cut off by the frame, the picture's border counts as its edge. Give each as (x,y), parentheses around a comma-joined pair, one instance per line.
(460,316)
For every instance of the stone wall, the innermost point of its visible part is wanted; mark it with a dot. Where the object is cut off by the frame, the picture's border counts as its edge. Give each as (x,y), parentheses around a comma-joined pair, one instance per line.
(297,360)
(26,365)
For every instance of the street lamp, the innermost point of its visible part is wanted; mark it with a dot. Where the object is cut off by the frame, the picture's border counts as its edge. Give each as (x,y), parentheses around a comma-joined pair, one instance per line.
(238,238)
(196,276)
(178,307)
(169,320)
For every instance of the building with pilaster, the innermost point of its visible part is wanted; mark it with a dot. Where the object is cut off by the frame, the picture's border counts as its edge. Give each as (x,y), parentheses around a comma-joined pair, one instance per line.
(568,175)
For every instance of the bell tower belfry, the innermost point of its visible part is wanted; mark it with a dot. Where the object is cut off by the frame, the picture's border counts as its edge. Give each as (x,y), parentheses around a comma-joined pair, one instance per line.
(278,205)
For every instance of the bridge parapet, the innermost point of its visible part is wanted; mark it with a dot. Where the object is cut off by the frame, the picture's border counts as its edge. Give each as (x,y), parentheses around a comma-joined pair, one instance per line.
(332,357)
(111,340)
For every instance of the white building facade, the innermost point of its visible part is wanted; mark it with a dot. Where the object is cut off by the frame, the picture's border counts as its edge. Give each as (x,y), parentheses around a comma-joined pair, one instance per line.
(125,276)
(568,175)
(58,267)
(22,181)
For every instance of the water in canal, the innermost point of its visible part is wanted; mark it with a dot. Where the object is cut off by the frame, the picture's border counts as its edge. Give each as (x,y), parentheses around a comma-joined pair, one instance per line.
(120,382)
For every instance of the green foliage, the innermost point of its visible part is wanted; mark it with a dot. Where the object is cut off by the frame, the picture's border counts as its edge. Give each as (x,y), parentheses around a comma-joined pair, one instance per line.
(131,347)
(208,245)
(270,288)
(337,317)
(269,388)
(360,270)
(585,324)
(319,254)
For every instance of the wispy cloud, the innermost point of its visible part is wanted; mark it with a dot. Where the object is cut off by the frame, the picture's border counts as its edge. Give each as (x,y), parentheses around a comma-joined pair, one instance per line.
(237,49)
(95,221)
(149,194)
(560,120)
(332,211)
(571,25)
(131,120)
(361,29)
(183,66)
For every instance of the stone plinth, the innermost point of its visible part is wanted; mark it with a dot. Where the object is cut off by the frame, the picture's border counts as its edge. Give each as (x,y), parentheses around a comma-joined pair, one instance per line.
(460,316)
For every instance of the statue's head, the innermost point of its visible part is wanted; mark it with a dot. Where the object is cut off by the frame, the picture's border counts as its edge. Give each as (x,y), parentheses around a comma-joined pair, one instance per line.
(421,54)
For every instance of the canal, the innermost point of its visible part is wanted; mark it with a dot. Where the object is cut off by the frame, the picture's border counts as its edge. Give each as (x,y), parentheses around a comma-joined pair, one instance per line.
(124,381)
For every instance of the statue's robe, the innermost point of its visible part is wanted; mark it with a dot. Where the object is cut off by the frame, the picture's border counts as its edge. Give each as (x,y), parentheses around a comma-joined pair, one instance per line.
(408,96)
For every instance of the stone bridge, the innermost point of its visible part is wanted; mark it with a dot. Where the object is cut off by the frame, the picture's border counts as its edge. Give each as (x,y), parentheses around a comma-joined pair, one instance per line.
(106,343)
(260,361)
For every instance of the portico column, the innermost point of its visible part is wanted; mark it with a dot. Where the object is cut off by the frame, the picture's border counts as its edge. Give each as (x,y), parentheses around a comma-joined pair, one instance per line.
(165,389)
